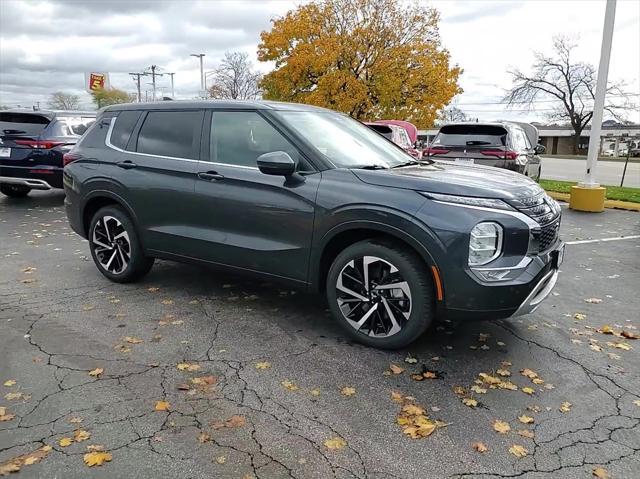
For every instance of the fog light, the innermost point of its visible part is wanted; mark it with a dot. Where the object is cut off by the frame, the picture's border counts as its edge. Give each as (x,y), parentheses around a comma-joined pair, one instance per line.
(485,243)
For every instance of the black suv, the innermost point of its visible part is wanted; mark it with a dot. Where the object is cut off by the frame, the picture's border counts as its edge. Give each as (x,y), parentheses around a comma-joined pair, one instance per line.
(317,199)
(32,146)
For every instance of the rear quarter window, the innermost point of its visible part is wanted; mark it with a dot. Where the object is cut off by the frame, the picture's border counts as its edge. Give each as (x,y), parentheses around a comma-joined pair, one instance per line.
(125,123)
(96,134)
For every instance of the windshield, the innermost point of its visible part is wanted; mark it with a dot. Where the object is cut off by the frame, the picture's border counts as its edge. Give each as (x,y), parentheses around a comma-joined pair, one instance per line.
(346,142)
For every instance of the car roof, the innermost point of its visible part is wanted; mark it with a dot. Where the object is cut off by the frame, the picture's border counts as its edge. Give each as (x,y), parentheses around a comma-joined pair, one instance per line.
(50,114)
(211,104)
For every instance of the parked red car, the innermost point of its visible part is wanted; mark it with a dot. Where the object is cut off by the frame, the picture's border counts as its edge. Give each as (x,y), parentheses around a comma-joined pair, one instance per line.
(402,133)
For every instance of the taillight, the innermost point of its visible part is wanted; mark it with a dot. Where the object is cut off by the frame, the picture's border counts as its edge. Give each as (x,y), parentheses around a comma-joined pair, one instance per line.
(435,151)
(39,144)
(507,155)
(69,158)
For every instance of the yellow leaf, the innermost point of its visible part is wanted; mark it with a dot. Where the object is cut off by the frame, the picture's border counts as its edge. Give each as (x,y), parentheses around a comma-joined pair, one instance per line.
(478,390)
(600,473)
(96,372)
(81,435)
(459,390)
(10,382)
(470,402)
(396,369)
(335,443)
(410,360)
(263,365)
(623,346)
(162,406)
(579,316)
(606,329)
(528,390)
(203,437)
(97,458)
(529,373)
(526,433)
(188,366)
(289,385)
(396,396)
(480,447)
(565,407)
(507,385)
(489,379)
(503,372)
(518,451)
(132,340)
(315,392)
(413,410)
(221,459)
(501,426)
(348,391)
(537,381)
(65,441)
(524,419)
(4,416)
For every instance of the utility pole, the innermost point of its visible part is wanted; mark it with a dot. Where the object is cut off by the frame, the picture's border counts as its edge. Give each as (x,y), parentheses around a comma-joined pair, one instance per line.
(172,90)
(153,74)
(137,80)
(200,55)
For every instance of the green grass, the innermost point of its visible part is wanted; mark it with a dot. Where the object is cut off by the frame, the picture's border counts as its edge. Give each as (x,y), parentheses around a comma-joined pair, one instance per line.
(613,192)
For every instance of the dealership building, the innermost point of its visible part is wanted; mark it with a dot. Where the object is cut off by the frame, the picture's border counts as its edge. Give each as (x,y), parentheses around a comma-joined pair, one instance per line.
(558,140)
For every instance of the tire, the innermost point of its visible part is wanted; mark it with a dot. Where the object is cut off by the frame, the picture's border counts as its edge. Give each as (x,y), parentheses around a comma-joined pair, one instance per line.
(387,263)
(115,246)
(14,191)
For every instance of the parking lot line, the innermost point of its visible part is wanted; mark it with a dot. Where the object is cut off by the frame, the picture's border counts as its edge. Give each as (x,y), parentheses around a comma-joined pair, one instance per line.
(603,240)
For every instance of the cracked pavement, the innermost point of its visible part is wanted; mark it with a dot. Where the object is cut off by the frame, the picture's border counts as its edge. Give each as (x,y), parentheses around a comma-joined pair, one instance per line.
(64,319)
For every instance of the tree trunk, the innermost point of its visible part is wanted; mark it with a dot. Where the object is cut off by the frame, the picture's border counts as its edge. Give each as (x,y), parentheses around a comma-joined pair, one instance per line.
(576,140)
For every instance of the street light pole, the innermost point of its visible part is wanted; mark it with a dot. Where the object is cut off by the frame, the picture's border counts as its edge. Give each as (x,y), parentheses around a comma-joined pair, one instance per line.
(601,90)
(172,91)
(200,55)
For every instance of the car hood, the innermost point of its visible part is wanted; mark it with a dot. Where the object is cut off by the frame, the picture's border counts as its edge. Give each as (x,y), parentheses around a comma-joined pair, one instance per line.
(479,181)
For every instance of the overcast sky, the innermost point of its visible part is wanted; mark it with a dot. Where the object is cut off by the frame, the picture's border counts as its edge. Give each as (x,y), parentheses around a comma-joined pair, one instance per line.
(46,46)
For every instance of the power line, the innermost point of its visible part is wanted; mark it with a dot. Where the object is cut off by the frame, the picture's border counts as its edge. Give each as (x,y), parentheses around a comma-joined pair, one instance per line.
(628,95)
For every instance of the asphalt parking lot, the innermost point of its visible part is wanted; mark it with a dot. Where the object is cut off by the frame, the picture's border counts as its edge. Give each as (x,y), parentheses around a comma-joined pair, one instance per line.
(249,377)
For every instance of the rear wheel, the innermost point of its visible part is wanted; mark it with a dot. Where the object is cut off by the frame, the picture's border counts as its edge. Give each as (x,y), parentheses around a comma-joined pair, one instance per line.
(15,191)
(115,246)
(381,294)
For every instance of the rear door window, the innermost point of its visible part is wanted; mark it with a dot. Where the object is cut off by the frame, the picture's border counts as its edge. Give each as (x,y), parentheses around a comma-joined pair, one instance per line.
(22,124)
(125,123)
(171,133)
(471,135)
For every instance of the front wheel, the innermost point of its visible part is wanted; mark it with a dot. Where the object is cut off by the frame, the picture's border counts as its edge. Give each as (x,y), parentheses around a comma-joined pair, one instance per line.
(14,191)
(115,246)
(381,294)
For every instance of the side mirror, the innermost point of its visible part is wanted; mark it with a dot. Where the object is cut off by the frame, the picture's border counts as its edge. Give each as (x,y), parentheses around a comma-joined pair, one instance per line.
(539,149)
(276,163)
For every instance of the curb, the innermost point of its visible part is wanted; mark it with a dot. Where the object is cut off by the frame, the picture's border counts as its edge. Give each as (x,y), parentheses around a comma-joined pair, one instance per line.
(614,204)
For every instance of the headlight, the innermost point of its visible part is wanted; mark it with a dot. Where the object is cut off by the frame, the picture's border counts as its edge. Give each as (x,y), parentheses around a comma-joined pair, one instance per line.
(485,243)
(470,201)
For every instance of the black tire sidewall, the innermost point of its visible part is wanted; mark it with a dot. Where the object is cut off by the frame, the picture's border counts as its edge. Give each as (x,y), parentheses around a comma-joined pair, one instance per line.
(14,191)
(413,270)
(139,264)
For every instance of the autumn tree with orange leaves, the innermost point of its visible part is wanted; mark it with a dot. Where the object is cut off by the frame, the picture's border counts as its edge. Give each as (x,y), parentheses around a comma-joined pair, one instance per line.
(372,59)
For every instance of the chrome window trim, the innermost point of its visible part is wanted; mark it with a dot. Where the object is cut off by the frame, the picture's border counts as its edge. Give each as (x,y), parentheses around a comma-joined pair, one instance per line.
(113,147)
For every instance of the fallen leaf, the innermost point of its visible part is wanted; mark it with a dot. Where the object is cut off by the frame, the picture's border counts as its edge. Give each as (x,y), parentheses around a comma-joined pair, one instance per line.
(15,396)
(188,366)
(396,369)
(410,360)
(507,385)
(81,435)
(526,433)
(579,316)
(315,392)
(263,365)
(595,347)
(430,375)
(97,458)
(236,421)
(133,340)
(153,289)
(417,377)
(289,385)
(491,380)
(15,464)
(480,446)
(565,407)
(4,416)
(629,334)
(335,443)
(95,447)
(413,410)
(221,459)
(459,390)
(606,329)
(600,473)
(637,402)
(593,300)
(10,382)
(205,380)
(167,301)
(518,451)
(75,420)
(528,390)
(478,390)
(501,426)
(203,437)
(503,372)
(348,391)
(524,419)
(96,372)
(623,346)
(397,397)
(65,441)
(529,373)
(470,402)
(162,406)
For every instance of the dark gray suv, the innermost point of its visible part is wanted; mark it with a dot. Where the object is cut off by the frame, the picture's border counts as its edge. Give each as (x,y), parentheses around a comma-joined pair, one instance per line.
(314,198)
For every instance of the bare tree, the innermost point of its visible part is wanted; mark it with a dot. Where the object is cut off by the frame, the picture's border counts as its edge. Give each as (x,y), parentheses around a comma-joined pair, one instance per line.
(64,101)
(452,114)
(570,82)
(235,78)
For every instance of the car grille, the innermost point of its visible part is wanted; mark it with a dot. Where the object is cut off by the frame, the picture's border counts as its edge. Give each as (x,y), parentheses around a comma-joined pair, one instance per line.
(546,212)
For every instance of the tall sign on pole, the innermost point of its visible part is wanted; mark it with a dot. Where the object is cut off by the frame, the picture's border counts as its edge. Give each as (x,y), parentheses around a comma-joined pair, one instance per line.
(588,195)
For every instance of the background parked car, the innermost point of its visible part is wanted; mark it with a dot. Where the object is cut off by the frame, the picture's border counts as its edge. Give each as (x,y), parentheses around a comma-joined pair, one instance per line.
(32,144)
(513,146)
(402,133)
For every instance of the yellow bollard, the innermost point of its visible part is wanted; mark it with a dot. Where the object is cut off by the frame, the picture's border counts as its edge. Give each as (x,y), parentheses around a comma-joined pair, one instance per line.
(587,199)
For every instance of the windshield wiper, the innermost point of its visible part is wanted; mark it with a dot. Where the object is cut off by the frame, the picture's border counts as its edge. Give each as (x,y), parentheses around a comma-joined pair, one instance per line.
(414,162)
(371,167)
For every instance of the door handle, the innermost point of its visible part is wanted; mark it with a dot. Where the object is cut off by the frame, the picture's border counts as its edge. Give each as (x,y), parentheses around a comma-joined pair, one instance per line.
(126,164)
(210,175)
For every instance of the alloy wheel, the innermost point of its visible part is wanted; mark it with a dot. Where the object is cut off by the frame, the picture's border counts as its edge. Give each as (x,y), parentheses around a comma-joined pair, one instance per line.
(111,244)
(373,296)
